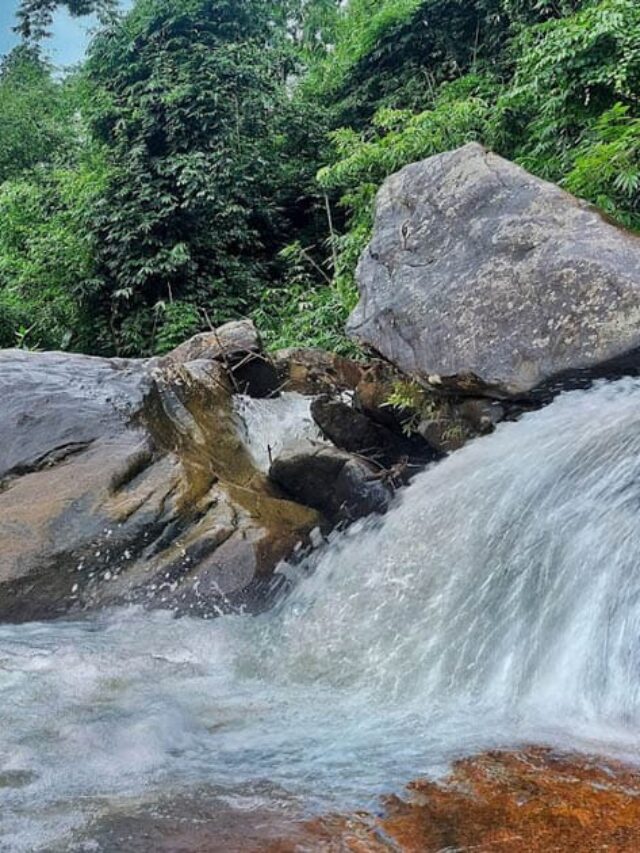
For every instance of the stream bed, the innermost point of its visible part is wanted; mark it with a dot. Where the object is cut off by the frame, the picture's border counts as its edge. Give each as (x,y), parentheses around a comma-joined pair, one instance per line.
(496,604)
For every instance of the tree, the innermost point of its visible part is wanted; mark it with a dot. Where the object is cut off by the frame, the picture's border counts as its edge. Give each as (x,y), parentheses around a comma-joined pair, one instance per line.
(50,174)
(398,52)
(193,109)
(36,116)
(35,16)
(46,256)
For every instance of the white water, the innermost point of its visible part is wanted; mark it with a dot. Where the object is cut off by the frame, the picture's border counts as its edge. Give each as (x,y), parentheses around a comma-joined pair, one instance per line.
(497,603)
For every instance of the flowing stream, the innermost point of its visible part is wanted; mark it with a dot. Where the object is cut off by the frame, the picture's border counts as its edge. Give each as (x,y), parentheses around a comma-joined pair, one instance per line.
(497,603)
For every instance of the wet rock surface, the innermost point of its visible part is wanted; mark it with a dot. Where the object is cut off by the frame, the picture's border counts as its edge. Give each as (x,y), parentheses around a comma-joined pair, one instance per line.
(126,481)
(341,486)
(534,801)
(486,279)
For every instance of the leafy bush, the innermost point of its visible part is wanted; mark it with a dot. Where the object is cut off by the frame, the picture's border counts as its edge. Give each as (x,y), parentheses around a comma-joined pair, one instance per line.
(303,312)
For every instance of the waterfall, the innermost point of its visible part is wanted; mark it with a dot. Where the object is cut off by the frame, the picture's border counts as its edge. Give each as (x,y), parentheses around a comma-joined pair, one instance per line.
(497,603)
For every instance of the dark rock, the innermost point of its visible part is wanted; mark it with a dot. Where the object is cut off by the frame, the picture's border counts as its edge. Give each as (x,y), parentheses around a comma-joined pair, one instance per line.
(347,428)
(360,490)
(127,481)
(315,371)
(354,432)
(256,376)
(481,415)
(486,279)
(455,422)
(339,485)
(445,436)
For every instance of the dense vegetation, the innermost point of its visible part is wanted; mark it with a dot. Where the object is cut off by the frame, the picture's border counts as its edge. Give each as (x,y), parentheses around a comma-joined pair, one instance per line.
(217,158)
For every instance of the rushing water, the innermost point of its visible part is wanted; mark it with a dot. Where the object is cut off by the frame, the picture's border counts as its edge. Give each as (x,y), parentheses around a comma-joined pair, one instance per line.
(498,602)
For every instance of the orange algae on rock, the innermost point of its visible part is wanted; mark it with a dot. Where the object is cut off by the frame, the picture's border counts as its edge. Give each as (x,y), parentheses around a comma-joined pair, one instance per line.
(533,801)
(536,801)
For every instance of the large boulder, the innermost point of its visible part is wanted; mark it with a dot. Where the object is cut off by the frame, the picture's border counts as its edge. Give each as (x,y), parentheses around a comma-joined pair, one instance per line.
(127,481)
(486,279)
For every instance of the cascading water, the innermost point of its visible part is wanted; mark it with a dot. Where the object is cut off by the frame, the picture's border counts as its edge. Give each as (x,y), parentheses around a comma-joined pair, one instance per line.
(497,603)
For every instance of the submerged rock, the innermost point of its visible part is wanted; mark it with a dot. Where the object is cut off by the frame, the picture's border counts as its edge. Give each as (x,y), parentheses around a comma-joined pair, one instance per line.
(534,801)
(343,487)
(125,480)
(486,279)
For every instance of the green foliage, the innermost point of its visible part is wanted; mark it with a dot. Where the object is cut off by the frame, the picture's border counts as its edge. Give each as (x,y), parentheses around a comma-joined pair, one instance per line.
(172,184)
(193,116)
(35,16)
(46,257)
(50,177)
(175,322)
(36,113)
(606,168)
(294,316)
(414,404)
(308,24)
(304,312)
(397,53)
(568,72)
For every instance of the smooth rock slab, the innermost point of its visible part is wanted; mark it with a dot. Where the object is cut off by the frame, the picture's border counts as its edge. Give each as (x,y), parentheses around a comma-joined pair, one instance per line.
(485,278)
(127,481)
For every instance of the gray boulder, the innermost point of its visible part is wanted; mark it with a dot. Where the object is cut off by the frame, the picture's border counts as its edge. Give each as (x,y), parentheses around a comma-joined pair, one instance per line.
(488,280)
